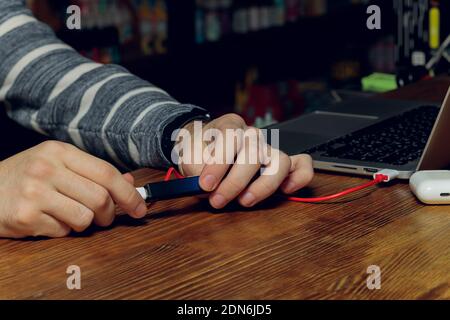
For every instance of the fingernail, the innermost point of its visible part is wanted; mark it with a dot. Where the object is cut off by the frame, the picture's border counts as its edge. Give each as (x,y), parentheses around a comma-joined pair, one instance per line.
(248,199)
(209,182)
(141,210)
(218,201)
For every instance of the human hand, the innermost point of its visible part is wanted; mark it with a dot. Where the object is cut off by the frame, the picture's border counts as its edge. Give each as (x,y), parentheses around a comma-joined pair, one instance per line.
(227,181)
(54,188)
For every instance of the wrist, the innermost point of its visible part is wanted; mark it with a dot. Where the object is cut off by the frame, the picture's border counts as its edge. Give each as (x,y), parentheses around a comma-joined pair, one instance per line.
(185,121)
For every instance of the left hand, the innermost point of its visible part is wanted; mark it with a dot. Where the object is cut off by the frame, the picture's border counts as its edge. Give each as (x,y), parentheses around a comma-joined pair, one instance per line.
(227,182)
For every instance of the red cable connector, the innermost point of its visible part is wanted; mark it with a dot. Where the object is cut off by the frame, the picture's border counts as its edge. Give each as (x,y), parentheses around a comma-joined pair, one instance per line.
(385,175)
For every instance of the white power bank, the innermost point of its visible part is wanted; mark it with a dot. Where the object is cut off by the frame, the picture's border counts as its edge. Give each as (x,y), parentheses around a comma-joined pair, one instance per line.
(431,187)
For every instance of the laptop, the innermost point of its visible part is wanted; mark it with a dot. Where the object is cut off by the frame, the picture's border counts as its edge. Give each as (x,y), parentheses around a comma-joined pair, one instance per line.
(367,135)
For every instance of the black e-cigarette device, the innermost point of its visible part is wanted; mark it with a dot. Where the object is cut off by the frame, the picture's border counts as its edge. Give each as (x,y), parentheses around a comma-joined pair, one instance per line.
(171,189)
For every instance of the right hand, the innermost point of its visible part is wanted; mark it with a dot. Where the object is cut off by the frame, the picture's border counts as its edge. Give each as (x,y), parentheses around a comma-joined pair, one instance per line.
(54,188)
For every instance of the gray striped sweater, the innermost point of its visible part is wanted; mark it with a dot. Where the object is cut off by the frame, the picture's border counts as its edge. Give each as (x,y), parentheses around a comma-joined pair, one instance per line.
(103,109)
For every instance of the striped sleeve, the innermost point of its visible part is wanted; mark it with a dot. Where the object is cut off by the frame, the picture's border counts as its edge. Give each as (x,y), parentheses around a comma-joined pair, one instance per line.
(103,109)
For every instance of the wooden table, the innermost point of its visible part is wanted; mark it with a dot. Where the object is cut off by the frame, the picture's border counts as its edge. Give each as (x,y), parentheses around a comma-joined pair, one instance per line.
(279,250)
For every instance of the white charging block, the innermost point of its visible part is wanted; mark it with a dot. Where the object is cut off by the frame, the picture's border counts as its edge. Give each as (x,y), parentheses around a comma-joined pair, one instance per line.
(431,187)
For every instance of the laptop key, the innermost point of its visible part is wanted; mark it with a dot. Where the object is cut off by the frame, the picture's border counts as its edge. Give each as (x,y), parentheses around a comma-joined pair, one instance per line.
(397,140)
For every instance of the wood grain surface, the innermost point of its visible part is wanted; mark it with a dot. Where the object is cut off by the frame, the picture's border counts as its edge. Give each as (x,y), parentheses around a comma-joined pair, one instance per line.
(279,250)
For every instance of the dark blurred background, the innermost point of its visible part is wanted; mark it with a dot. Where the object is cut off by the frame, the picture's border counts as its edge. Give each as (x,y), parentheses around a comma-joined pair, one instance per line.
(268,60)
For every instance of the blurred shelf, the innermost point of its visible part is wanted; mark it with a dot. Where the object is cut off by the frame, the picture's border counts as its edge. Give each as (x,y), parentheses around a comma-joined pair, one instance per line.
(301,50)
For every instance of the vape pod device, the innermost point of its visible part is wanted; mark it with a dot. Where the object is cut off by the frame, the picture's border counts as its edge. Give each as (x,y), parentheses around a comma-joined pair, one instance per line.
(171,189)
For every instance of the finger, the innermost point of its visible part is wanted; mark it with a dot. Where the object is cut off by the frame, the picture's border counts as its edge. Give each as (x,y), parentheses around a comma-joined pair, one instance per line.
(33,222)
(225,148)
(301,174)
(267,184)
(68,211)
(89,194)
(104,174)
(212,175)
(236,181)
(50,227)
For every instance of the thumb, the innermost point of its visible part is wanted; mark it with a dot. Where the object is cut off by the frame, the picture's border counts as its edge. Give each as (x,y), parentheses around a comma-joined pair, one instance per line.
(129,178)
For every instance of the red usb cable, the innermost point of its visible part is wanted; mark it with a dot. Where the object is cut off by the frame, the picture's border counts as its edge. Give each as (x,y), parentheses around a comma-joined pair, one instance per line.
(174,172)
(380,177)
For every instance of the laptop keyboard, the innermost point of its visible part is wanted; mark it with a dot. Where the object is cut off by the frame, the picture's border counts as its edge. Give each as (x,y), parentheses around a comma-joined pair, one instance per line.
(397,140)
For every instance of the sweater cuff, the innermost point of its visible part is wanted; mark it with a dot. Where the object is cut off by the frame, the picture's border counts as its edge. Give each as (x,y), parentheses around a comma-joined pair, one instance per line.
(179,122)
